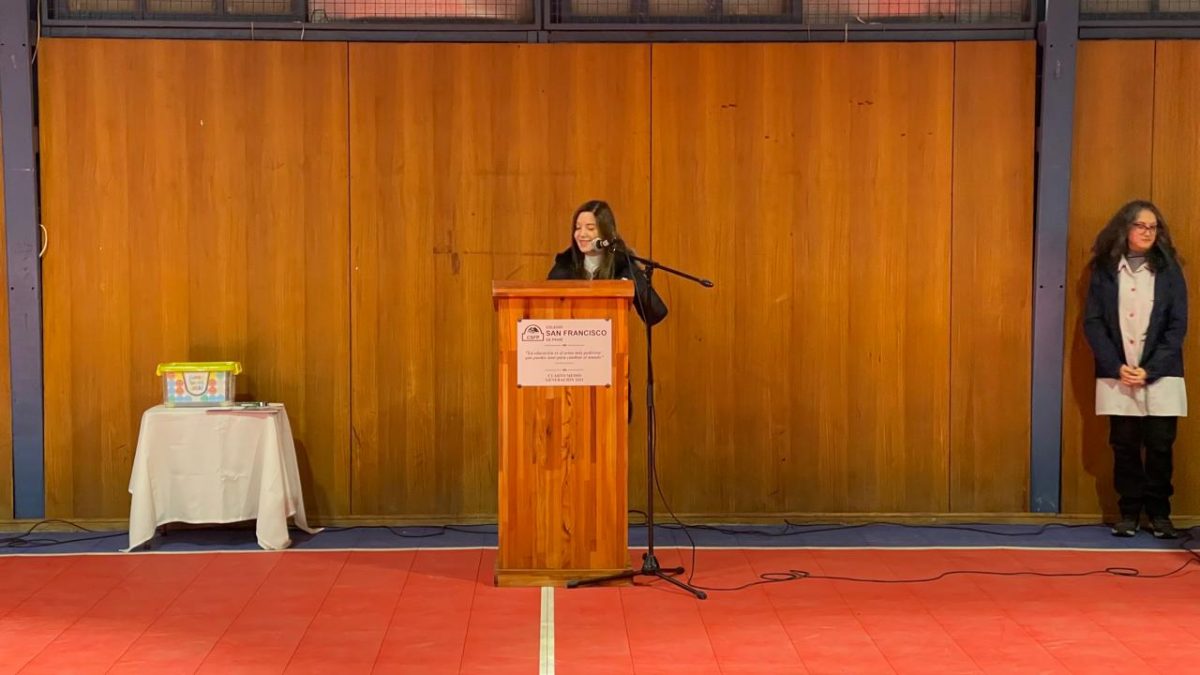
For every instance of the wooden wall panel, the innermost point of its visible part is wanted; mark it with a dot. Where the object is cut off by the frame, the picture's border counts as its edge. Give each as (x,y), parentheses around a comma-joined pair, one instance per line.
(1111,164)
(6,445)
(467,163)
(812,183)
(333,216)
(196,198)
(1176,175)
(991,299)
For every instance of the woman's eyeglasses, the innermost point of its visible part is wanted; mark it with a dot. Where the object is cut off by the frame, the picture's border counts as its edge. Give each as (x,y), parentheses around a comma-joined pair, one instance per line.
(1146,228)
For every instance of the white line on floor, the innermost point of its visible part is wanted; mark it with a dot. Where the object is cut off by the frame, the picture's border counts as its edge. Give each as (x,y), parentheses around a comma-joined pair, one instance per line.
(546,662)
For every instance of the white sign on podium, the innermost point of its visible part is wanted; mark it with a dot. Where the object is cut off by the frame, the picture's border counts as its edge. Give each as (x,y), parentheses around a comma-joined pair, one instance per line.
(564,353)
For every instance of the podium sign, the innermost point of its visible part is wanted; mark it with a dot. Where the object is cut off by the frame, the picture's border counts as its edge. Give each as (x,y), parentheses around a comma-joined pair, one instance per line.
(564,352)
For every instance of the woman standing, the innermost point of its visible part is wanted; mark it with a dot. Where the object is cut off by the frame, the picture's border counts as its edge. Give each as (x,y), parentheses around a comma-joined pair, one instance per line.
(1135,321)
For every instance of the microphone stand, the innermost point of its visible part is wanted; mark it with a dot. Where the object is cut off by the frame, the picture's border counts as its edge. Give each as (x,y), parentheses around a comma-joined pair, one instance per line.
(650,564)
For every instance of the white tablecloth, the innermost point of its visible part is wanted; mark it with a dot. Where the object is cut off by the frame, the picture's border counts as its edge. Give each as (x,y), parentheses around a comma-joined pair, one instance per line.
(206,465)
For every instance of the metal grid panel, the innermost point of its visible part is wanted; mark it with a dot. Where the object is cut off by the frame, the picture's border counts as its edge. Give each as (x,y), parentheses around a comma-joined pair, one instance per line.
(324,11)
(314,11)
(796,12)
(1139,9)
(632,13)
(280,10)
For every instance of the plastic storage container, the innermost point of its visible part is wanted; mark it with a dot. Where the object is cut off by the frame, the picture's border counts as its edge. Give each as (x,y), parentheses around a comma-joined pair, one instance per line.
(199,384)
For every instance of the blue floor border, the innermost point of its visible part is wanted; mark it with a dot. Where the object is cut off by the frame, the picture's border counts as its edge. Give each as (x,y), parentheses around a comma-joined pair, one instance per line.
(873,535)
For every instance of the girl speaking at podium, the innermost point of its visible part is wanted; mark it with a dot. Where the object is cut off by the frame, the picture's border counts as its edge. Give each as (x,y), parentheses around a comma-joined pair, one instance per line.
(597,252)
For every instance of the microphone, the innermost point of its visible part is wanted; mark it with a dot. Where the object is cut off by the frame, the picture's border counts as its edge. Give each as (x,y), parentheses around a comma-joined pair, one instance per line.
(601,244)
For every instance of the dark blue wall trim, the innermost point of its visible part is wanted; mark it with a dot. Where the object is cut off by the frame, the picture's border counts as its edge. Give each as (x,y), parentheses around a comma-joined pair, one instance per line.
(1058,37)
(24,269)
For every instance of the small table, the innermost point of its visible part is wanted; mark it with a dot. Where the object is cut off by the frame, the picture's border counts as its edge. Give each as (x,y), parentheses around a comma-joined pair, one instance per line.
(216,465)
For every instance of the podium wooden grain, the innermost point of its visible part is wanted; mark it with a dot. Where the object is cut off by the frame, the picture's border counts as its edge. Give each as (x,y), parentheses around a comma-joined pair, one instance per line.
(563,488)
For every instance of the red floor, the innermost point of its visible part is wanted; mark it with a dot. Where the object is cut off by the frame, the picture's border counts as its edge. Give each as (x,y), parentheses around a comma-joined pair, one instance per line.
(436,612)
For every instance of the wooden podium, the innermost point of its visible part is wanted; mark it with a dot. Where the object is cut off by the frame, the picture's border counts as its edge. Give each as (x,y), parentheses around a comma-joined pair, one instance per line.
(564,444)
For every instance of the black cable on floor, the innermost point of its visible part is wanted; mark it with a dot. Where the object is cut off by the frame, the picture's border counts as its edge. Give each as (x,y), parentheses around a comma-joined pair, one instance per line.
(23,541)
(797,575)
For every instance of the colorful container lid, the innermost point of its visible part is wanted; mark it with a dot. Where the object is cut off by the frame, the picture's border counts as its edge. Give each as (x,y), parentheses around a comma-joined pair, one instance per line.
(199,367)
